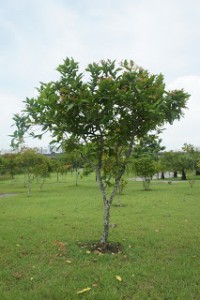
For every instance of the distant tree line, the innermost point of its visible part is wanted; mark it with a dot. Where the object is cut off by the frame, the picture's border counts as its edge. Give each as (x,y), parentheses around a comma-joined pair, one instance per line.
(148,159)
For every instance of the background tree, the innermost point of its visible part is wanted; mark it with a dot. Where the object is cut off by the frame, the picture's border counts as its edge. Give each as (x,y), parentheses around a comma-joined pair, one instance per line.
(145,157)
(33,165)
(74,159)
(109,110)
(10,164)
(184,162)
(194,154)
(145,167)
(197,166)
(41,169)
(169,162)
(61,166)
(2,165)
(148,145)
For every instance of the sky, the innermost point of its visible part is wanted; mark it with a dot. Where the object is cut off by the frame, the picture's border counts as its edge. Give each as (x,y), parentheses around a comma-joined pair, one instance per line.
(162,36)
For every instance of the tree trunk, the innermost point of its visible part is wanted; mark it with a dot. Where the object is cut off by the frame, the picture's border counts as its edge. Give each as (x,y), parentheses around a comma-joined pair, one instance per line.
(108,200)
(119,199)
(107,203)
(183,176)
(25,181)
(29,188)
(104,238)
(162,175)
(76,170)
(175,174)
(197,172)
(42,184)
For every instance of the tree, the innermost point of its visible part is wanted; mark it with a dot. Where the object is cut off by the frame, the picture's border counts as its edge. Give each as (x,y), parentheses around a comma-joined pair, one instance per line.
(149,145)
(42,169)
(108,111)
(194,154)
(145,167)
(197,165)
(10,164)
(61,166)
(75,161)
(168,162)
(149,148)
(33,165)
(2,165)
(184,162)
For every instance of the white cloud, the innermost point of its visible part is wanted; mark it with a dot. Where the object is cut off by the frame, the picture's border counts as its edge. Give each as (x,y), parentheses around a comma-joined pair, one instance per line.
(9,106)
(187,129)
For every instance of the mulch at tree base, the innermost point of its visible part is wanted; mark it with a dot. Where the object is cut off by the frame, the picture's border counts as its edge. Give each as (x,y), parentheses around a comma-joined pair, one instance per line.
(99,247)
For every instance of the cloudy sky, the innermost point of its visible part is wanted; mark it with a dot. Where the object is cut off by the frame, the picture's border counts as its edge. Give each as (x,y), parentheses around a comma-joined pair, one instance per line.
(162,36)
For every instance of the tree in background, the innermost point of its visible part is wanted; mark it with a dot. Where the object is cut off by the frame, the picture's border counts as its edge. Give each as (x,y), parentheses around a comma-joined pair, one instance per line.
(61,166)
(145,158)
(74,156)
(168,162)
(2,165)
(194,154)
(33,165)
(145,167)
(10,164)
(148,145)
(184,163)
(115,106)
(42,168)
(197,166)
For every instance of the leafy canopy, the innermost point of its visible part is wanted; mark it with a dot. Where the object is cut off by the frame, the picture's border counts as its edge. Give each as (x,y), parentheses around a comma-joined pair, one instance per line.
(114,106)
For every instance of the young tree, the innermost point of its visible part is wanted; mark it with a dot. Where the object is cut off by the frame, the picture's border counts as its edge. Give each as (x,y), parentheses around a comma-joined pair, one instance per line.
(149,145)
(61,165)
(197,166)
(33,165)
(169,162)
(10,164)
(42,169)
(2,165)
(75,161)
(148,151)
(108,111)
(184,162)
(145,167)
(194,154)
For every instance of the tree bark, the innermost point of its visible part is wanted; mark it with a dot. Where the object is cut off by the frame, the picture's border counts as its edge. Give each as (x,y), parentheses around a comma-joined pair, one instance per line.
(104,238)
(107,203)
(108,200)
(106,219)
(175,174)
(29,187)
(76,170)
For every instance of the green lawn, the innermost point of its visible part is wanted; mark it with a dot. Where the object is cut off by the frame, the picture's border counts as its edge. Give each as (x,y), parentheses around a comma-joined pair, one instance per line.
(40,236)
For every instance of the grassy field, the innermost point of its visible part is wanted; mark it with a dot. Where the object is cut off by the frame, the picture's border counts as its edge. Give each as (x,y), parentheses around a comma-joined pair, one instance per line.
(41,238)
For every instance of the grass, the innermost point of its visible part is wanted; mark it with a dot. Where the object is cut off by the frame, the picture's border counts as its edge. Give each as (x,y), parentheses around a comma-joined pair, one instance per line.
(41,257)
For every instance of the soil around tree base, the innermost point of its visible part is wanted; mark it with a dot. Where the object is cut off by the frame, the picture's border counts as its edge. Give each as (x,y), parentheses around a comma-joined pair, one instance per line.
(102,248)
